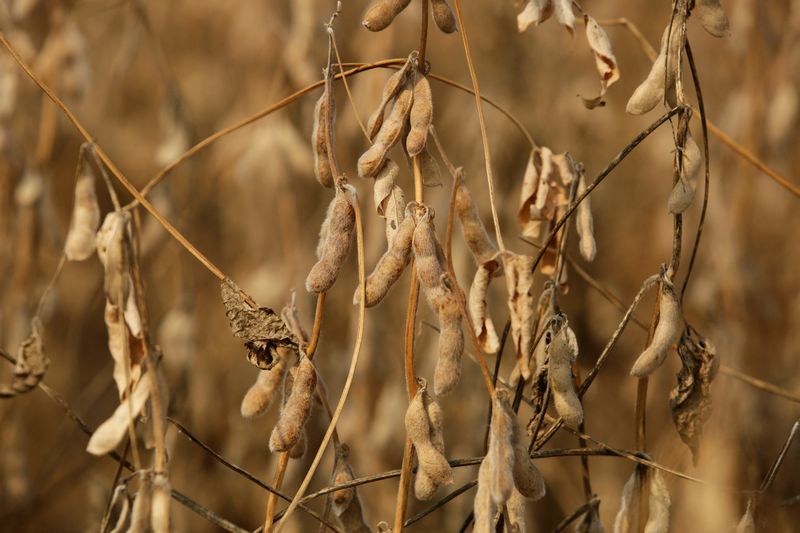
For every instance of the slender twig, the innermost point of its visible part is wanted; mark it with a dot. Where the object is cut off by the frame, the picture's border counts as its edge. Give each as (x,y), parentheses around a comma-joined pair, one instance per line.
(577,513)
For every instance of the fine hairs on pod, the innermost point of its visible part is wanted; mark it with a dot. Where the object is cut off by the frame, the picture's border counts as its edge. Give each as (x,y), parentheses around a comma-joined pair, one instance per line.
(336,238)
(296,409)
(668,329)
(562,352)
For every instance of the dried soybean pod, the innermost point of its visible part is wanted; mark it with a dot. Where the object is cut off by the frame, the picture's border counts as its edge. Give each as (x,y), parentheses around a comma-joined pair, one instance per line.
(424,486)
(713,18)
(371,161)
(418,428)
(319,145)
(390,266)
(516,512)
(393,85)
(475,235)
(296,410)
(420,116)
(451,346)
(259,397)
(501,449)
(527,478)
(585,224)
(381,13)
(481,321)
(113,254)
(299,449)
(483,506)
(443,16)
(429,269)
(651,91)
(562,351)
(340,224)
(352,518)
(342,473)
(682,193)
(80,242)
(668,329)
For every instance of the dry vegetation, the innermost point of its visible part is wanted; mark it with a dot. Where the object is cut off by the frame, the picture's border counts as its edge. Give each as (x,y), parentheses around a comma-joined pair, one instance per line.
(247,252)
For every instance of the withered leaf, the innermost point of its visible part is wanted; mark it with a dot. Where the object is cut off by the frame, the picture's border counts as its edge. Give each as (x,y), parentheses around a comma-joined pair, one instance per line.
(651,482)
(519,285)
(262,329)
(31,363)
(604,59)
(690,400)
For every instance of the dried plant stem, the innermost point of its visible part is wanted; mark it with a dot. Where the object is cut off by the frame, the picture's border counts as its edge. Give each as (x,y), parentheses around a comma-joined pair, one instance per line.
(482,120)
(562,526)
(346,84)
(351,372)
(48,127)
(277,481)
(423,33)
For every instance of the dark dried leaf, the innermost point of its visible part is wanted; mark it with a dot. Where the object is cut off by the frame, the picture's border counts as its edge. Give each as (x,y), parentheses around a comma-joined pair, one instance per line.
(31,363)
(262,329)
(690,400)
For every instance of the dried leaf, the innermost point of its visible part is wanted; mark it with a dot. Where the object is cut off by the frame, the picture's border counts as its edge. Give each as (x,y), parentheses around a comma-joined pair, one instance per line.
(31,363)
(535,12)
(652,482)
(262,329)
(564,14)
(80,242)
(109,434)
(604,59)
(481,321)
(519,284)
(713,18)
(690,400)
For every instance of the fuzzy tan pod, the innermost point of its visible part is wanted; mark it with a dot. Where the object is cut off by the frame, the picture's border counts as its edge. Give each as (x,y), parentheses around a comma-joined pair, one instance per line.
(669,327)
(296,410)
(500,454)
(447,373)
(110,433)
(319,143)
(585,223)
(516,512)
(382,12)
(661,78)
(260,395)
(390,131)
(562,352)
(390,90)
(519,285)
(481,321)
(443,16)
(420,430)
(390,266)
(475,235)
(81,241)
(649,483)
(484,507)
(713,18)
(420,116)
(338,238)
(527,478)
(683,193)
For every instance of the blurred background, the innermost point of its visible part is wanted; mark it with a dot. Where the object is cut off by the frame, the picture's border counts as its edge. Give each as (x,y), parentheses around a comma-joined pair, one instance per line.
(149,79)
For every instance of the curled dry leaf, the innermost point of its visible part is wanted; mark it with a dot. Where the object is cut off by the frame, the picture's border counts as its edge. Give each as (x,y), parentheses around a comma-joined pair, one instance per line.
(545,191)
(80,242)
(519,284)
(538,11)
(31,363)
(481,321)
(389,199)
(683,192)
(109,434)
(669,327)
(713,18)
(382,12)
(604,59)
(262,330)
(649,483)
(690,400)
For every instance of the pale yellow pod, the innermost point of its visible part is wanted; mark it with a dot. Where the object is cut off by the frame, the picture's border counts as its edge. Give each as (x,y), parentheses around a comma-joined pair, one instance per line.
(500,454)
(371,161)
(585,223)
(668,329)
(341,223)
(296,410)
(713,18)
(393,85)
(475,235)
(420,116)
(390,266)
(443,16)
(483,507)
(562,351)
(682,195)
(381,13)
(81,240)
(260,395)
(319,144)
